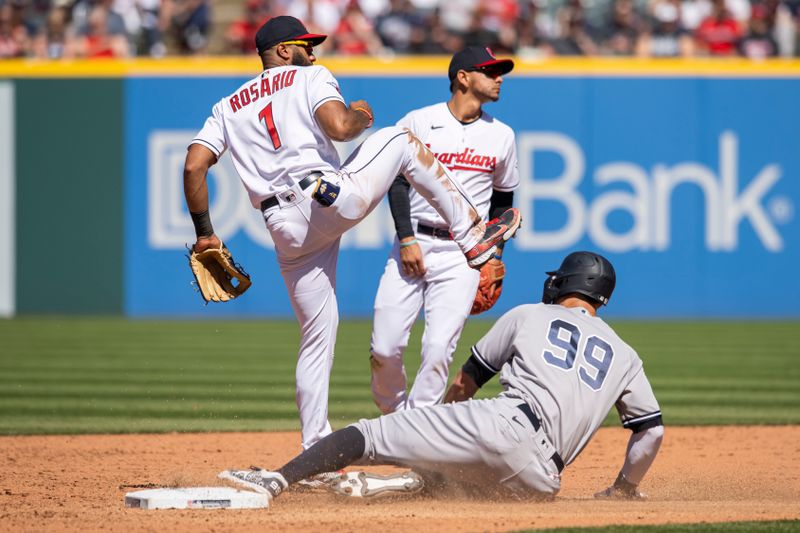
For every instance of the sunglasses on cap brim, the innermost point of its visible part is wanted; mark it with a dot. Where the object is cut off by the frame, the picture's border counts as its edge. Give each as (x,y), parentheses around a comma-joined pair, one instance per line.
(303,44)
(490,70)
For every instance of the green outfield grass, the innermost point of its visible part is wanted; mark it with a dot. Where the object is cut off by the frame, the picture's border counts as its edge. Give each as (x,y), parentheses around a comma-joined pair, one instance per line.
(782,526)
(82,375)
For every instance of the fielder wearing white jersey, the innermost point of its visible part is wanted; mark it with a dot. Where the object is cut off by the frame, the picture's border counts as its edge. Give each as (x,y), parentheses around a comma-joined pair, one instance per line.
(562,368)
(278,128)
(425,267)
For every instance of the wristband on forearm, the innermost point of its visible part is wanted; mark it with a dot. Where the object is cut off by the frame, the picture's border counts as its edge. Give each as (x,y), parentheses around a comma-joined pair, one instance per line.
(202,224)
(370,118)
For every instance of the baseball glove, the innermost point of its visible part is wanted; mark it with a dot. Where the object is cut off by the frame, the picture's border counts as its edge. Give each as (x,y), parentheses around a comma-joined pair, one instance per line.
(489,287)
(214,272)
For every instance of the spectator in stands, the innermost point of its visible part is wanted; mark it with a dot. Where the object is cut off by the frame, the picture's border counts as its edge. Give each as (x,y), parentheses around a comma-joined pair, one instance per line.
(319,16)
(794,8)
(82,9)
(356,34)
(36,13)
(530,35)
(621,32)
(14,40)
(439,39)
(500,18)
(758,43)
(666,38)
(401,28)
(574,39)
(674,28)
(479,35)
(191,24)
(719,33)
(241,34)
(457,15)
(154,22)
(96,41)
(56,40)
(693,12)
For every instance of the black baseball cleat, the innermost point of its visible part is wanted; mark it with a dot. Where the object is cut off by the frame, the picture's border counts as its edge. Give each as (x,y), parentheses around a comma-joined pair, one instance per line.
(257,479)
(498,229)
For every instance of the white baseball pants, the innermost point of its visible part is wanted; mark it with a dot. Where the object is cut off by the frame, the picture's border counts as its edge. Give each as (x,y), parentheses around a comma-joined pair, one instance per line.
(306,237)
(446,291)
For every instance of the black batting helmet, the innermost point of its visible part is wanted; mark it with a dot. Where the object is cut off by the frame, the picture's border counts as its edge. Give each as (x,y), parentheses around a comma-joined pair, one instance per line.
(584,273)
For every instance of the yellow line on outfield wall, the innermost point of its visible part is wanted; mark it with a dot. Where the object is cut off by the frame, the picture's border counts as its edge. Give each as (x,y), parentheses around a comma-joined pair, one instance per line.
(403,66)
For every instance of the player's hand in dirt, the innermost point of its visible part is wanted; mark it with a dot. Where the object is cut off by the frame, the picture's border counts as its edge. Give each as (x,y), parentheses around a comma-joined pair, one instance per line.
(204,243)
(411,261)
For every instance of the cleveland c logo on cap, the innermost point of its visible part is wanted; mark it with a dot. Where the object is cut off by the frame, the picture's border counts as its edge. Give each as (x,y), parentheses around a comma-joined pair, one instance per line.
(489,51)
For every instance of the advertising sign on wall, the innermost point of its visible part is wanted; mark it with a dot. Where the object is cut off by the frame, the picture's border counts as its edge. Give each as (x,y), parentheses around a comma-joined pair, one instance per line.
(688,185)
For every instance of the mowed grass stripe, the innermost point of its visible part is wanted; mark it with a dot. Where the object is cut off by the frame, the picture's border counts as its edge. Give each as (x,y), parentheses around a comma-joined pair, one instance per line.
(175,409)
(209,373)
(116,424)
(113,375)
(277,391)
(173,393)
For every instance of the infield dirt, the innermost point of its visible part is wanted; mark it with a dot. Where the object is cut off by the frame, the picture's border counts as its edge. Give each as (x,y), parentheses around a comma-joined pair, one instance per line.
(77,483)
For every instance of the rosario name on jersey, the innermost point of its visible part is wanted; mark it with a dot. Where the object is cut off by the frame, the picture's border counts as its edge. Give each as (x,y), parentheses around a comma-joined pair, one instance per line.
(481,155)
(571,368)
(269,125)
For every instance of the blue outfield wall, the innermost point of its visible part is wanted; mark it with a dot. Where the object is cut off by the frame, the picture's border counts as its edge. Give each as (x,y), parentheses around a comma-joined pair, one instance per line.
(689,185)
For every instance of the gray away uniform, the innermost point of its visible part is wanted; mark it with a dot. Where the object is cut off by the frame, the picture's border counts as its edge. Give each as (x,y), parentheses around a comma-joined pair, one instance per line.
(561,370)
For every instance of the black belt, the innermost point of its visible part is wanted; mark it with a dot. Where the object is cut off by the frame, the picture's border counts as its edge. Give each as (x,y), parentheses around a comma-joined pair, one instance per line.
(436,233)
(526,409)
(305,183)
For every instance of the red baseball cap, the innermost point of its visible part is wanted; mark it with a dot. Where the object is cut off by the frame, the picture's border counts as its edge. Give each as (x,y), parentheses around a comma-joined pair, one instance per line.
(474,58)
(284,28)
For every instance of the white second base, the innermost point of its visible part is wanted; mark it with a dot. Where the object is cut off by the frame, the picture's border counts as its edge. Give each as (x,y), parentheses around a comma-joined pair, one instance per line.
(196,498)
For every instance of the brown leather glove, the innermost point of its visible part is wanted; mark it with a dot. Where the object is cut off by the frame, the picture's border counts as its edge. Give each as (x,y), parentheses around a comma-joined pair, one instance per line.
(214,272)
(489,287)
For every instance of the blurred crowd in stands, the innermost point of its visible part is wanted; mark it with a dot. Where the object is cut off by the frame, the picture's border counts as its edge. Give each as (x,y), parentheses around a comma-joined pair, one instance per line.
(530,28)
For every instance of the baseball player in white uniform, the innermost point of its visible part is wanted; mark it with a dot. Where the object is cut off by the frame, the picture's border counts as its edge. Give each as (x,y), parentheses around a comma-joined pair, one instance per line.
(561,367)
(425,267)
(278,128)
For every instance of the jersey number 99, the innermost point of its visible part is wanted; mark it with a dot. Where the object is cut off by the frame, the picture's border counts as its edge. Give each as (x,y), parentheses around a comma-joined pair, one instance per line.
(597,353)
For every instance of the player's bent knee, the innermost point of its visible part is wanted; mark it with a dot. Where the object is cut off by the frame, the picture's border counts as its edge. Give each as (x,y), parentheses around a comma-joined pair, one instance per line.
(387,348)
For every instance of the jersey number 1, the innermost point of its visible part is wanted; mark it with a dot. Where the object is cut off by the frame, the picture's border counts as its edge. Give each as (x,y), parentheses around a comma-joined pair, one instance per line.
(597,353)
(266,116)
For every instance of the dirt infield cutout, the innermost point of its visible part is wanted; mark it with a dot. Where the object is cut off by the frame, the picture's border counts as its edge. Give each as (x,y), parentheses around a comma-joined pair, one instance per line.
(703,474)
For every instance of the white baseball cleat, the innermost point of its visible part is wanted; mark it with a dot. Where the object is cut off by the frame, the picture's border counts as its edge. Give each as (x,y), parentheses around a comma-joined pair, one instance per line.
(257,479)
(320,481)
(366,485)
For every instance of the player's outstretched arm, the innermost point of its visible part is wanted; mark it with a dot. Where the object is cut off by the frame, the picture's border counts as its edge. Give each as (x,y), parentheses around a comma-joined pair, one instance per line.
(195,187)
(462,388)
(342,123)
(642,449)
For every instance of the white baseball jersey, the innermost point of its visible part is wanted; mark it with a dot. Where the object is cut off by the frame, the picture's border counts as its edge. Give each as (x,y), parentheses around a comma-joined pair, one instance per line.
(481,156)
(470,151)
(571,368)
(269,125)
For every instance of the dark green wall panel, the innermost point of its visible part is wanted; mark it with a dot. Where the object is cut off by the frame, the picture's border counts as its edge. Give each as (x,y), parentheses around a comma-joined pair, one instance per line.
(69,195)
